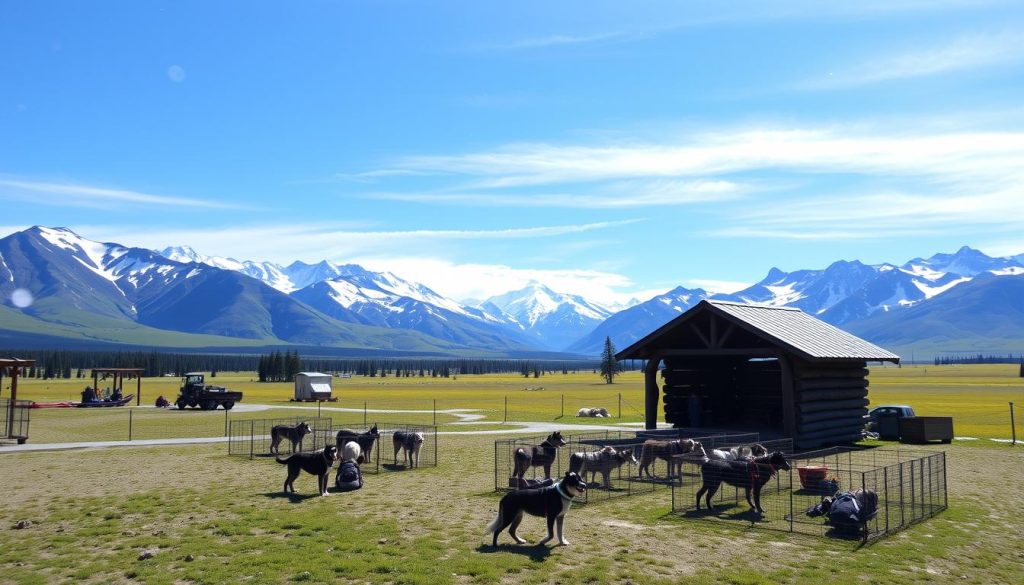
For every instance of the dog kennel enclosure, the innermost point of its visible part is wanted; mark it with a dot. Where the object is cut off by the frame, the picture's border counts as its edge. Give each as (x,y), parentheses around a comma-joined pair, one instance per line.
(910,486)
(625,480)
(251,438)
(384,455)
(14,417)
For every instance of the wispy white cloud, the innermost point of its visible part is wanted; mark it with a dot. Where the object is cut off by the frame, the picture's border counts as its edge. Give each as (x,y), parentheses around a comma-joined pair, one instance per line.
(554,40)
(963,54)
(312,242)
(623,195)
(56,193)
(950,155)
(480,281)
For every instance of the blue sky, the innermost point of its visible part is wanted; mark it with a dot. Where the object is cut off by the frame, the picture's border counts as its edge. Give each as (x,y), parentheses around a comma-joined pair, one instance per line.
(605,148)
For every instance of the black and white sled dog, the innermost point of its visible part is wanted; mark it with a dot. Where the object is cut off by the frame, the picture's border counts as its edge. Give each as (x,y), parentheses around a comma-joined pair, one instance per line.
(605,461)
(410,443)
(740,452)
(317,463)
(295,434)
(365,440)
(551,502)
(542,455)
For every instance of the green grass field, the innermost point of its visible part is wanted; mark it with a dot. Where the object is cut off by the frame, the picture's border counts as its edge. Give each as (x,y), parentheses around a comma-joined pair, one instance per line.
(976,396)
(211,518)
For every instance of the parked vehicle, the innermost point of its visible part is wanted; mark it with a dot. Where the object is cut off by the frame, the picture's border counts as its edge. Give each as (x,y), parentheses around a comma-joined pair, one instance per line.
(195,393)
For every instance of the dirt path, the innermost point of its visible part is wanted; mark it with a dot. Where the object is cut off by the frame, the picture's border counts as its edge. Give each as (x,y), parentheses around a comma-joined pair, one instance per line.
(466,416)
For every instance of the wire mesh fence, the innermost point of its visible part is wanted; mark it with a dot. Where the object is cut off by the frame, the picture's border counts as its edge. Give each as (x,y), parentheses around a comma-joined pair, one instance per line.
(253,438)
(14,420)
(895,488)
(388,446)
(614,463)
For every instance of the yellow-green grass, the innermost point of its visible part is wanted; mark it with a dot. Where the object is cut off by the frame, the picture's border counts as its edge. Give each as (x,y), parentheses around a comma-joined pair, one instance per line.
(211,518)
(975,395)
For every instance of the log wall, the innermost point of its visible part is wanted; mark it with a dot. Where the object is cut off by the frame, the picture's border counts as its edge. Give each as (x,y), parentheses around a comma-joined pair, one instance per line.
(831,401)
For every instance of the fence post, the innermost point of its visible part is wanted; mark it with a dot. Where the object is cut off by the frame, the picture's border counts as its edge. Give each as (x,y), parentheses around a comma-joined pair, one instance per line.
(252,437)
(318,403)
(226,422)
(1013,427)
(435,414)
(364,413)
(563,407)
(620,404)
(506,410)
(130,412)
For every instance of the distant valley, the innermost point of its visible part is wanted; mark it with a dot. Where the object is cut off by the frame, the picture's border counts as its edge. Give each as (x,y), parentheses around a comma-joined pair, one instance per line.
(73,292)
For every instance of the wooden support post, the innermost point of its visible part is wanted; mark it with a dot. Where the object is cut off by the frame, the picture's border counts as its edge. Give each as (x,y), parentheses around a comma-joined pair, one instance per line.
(138,389)
(14,398)
(1013,427)
(788,398)
(651,394)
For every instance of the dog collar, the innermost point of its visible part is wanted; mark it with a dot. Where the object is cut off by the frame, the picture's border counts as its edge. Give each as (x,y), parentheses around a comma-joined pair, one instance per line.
(565,496)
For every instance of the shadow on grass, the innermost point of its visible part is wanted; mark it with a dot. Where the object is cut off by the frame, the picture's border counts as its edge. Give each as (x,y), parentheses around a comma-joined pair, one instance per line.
(395,467)
(537,553)
(293,498)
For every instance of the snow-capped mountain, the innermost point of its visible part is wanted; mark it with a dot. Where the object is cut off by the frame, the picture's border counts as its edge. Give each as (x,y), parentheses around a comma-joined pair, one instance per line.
(72,287)
(844,293)
(634,323)
(268,272)
(552,319)
(534,316)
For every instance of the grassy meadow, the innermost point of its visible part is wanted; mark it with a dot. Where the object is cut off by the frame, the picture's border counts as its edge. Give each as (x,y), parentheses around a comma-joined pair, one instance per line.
(977,396)
(211,518)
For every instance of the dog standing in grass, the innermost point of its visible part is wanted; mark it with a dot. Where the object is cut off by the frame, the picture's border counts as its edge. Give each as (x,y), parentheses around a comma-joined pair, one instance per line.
(295,434)
(410,443)
(551,502)
(317,463)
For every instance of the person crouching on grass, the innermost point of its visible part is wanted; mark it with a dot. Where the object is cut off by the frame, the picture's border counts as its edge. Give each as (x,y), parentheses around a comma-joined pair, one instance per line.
(349,476)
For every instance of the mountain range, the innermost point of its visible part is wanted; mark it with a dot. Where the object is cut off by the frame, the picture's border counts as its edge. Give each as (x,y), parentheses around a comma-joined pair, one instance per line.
(64,290)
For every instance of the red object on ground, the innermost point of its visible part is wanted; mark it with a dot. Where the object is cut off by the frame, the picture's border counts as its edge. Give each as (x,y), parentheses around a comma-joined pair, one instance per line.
(811,475)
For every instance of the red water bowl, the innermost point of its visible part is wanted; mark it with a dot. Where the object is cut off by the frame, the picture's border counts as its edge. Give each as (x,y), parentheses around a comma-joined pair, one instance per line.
(812,475)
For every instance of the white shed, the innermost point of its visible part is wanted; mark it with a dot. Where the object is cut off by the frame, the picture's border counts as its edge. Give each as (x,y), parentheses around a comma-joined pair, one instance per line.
(312,386)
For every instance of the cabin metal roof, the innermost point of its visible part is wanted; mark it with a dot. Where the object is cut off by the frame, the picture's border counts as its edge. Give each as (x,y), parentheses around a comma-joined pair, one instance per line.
(787,328)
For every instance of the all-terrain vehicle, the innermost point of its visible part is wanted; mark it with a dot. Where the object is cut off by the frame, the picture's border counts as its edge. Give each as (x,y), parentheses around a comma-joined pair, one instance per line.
(195,393)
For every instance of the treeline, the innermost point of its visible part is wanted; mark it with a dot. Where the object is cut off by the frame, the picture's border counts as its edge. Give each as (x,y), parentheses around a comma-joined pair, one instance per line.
(67,364)
(279,367)
(979,359)
(282,366)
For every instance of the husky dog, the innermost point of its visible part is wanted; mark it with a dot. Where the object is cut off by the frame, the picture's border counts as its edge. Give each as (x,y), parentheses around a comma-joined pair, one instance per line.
(365,440)
(317,463)
(593,412)
(740,452)
(410,443)
(749,474)
(667,450)
(604,462)
(551,502)
(542,455)
(295,434)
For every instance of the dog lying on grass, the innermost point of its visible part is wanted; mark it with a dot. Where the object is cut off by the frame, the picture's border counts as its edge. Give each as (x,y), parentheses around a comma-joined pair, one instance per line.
(740,452)
(551,502)
(317,463)
(295,434)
